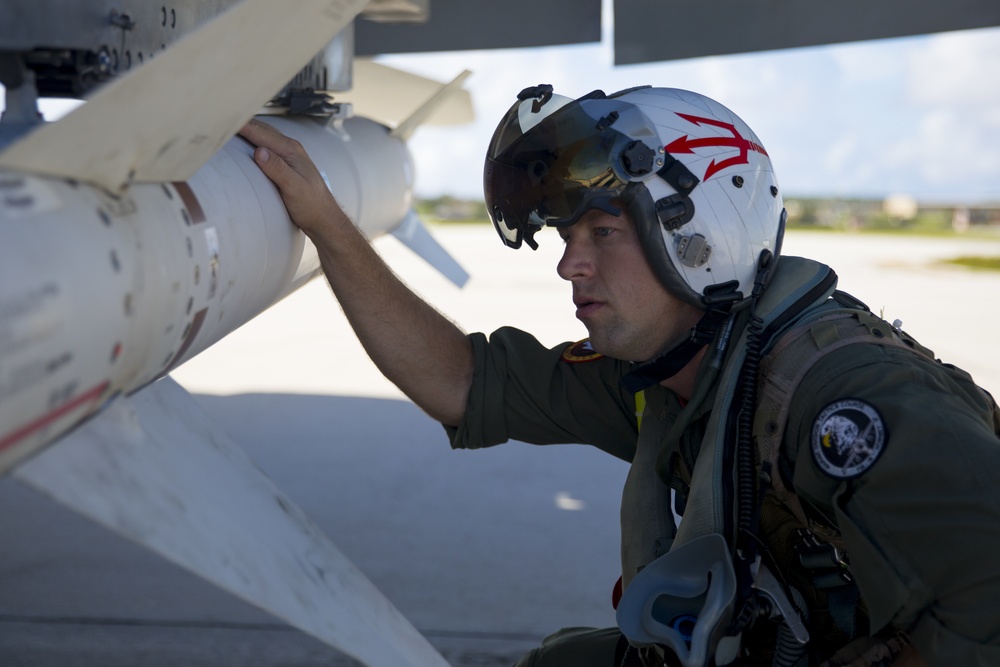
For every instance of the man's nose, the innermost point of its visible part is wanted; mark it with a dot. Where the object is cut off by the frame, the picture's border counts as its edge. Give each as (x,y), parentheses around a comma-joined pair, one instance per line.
(575,261)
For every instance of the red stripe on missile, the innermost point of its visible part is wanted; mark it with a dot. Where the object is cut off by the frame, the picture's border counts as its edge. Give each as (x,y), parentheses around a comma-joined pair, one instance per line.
(191,202)
(199,319)
(43,421)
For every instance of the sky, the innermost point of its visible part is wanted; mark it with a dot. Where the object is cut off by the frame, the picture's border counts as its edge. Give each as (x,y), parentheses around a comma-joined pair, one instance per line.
(918,116)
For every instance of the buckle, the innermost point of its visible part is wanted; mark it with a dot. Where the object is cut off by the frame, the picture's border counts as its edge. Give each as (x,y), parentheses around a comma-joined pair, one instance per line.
(828,565)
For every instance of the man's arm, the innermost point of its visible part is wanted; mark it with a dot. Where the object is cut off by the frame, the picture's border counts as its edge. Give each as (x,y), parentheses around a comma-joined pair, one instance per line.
(920,508)
(417,348)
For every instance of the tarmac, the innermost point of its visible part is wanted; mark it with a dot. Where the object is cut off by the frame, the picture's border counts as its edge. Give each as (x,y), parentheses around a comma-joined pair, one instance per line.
(485,552)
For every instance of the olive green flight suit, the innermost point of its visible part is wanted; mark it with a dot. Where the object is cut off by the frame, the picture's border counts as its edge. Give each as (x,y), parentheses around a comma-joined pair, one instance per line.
(921,522)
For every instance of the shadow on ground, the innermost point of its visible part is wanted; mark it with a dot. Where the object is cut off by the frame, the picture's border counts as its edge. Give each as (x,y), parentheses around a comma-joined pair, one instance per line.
(477,549)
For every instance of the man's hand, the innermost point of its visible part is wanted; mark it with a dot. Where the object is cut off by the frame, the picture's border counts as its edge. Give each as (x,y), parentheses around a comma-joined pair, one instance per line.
(283,160)
(420,350)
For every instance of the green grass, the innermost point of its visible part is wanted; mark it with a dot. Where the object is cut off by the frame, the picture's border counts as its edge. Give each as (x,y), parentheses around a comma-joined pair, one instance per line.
(981,263)
(983,232)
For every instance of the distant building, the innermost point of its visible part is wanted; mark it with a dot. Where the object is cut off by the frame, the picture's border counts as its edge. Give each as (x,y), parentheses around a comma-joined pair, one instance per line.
(895,211)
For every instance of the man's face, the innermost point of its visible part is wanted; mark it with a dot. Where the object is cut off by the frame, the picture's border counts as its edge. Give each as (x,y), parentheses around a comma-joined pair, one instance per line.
(628,313)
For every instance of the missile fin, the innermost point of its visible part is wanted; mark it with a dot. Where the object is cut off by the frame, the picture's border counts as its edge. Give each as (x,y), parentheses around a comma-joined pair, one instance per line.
(156,469)
(414,235)
(162,121)
(406,129)
(389,95)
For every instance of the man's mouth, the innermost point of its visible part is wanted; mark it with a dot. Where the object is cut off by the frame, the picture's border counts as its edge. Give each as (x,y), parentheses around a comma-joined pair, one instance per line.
(586,307)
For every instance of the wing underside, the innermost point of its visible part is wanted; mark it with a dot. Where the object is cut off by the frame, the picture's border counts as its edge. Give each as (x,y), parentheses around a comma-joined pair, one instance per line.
(154,468)
(162,121)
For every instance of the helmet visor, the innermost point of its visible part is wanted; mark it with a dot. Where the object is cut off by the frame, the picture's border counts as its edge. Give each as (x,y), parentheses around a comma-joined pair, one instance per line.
(559,167)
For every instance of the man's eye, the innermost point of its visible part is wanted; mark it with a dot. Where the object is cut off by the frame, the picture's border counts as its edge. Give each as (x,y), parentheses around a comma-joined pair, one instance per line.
(604,231)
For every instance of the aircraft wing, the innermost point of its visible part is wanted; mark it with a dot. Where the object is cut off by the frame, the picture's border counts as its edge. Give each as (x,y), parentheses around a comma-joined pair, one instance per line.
(458,25)
(643,29)
(155,468)
(654,30)
(164,120)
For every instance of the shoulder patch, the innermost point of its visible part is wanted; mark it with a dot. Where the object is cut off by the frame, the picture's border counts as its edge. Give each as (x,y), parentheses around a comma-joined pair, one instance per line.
(847,438)
(579,352)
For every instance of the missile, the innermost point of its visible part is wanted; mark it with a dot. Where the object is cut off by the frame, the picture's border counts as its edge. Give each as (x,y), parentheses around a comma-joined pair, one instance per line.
(101,295)
(135,233)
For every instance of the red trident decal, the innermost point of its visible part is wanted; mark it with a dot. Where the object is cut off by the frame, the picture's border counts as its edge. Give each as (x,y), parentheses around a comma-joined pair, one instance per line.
(685,145)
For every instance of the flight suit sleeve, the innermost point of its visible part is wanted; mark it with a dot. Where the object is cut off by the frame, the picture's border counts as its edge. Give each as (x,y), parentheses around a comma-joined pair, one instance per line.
(524,391)
(902,454)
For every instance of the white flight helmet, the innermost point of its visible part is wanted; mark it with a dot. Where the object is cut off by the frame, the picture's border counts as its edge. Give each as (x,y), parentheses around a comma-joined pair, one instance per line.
(695,179)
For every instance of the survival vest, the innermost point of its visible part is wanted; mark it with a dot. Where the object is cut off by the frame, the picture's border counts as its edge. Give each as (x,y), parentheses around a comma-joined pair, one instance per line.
(803,319)
(808,545)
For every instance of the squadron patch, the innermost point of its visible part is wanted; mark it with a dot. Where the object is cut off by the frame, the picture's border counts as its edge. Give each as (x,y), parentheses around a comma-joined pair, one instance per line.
(847,438)
(579,352)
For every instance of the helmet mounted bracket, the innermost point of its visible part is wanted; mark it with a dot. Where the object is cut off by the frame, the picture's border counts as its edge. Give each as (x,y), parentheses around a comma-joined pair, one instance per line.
(540,94)
(676,210)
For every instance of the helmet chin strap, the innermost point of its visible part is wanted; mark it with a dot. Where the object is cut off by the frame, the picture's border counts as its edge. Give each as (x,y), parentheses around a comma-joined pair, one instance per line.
(720,300)
(670,363)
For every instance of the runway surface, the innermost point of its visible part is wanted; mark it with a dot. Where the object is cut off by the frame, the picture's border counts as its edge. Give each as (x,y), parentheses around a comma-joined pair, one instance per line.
(485,552)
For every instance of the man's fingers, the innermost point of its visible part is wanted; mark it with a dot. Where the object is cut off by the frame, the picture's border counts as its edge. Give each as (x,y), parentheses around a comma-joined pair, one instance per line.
(291,152)
(259,133)
(285,162)
(273,166)
(256,132)
(261,154)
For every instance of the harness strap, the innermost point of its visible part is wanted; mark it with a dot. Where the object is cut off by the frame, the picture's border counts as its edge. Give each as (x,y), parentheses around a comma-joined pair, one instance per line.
(891,651)
(797,286)
(669,364)
(783,369)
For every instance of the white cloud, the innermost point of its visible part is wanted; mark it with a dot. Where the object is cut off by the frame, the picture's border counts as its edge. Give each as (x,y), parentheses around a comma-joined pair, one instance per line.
(864,63)
(949,150)
(956,68)
(953,92)
(840,156)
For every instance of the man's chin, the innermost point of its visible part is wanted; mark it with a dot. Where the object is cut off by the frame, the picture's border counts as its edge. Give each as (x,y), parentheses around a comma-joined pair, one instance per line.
(630,353)
(598,346)
(609,349)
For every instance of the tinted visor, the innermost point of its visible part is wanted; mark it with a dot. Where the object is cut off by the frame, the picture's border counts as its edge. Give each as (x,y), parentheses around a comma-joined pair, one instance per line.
(562,166)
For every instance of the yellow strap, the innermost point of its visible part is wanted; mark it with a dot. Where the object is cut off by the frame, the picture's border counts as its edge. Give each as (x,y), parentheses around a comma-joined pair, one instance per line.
(640,407)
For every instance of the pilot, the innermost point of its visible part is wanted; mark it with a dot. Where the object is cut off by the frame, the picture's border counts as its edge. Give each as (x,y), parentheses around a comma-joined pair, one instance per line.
(836,485)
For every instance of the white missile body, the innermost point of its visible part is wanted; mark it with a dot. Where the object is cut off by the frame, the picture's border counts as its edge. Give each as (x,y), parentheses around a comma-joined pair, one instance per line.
(135,233)
(99,296)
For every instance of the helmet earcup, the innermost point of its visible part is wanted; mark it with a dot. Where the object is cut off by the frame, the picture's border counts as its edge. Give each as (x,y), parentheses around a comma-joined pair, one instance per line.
(735,210)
